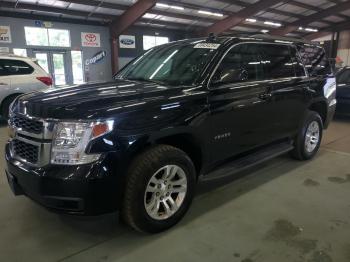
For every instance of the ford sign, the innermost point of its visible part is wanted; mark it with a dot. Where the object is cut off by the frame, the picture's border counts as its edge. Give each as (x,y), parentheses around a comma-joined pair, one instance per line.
(127,41)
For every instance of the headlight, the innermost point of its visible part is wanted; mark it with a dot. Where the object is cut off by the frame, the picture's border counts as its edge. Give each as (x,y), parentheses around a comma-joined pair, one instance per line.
(71,139)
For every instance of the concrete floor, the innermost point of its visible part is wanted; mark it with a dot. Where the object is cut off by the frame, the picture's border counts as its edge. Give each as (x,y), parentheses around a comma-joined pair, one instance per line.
(284,210)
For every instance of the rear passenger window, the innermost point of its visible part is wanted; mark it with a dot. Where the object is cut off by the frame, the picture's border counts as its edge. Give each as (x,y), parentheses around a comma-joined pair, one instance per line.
(298,64)
(241,64)
(315,60)
(14,67)
(278,61)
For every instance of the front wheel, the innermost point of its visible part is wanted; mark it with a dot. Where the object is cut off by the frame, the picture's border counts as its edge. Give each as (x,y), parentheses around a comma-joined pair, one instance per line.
(308,140)
(159,189)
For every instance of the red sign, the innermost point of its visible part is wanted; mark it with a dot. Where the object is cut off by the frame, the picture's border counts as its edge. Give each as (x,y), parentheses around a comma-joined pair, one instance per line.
(90,39)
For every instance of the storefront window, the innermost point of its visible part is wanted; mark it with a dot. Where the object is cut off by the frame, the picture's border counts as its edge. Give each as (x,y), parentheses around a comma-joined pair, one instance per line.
(59,37)
(47,37)
(20,51)
(152,41)
(36,36)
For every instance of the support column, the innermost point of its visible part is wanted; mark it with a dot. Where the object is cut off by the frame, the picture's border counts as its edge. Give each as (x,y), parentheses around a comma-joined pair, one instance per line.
(114,53)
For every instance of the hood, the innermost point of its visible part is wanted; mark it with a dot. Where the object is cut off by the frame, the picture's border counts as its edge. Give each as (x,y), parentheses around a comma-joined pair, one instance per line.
(94,100)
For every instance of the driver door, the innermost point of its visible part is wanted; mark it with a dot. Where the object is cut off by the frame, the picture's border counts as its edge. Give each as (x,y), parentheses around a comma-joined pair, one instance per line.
(240,103)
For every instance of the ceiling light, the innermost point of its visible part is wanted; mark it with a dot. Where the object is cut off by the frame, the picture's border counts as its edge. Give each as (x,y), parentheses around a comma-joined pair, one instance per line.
(308,29)
(264,31)
(272,23)
(149,16)
(177,7)
(311,30)
(252,20)
(210,13)
(161,5)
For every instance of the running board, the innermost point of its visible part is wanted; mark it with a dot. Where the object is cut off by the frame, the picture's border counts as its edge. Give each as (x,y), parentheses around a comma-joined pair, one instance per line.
(249,161)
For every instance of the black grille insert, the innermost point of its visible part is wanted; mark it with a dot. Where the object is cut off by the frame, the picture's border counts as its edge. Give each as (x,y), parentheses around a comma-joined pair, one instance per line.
(26,151)
(27,124)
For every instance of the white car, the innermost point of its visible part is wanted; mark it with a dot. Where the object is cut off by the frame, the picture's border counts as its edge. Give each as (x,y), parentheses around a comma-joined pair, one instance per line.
(19,75)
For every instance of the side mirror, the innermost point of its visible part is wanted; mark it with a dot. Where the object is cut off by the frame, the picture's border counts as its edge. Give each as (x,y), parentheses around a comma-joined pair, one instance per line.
(227,76)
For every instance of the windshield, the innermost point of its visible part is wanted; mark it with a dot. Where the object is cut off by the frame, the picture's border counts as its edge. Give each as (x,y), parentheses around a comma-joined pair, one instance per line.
(173,65)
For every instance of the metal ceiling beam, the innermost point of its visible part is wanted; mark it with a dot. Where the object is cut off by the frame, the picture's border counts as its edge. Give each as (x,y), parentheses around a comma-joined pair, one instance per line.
(55,10)
(314,8)
(334,10)
(239,17)
(125,7)
(334,28)
(131,15)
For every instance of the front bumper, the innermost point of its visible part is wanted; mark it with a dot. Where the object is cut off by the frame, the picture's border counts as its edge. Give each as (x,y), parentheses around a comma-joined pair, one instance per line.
(92,189)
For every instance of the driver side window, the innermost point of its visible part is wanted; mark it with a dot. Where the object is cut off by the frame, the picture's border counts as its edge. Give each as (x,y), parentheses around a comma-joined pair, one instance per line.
(241,64)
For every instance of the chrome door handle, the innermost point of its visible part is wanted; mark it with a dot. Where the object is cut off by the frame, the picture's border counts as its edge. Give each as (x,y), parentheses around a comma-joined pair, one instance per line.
(265,96)
(308,89)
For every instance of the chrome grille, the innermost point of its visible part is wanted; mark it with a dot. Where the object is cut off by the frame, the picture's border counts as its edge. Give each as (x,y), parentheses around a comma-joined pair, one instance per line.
(31,139)
(25,151)
(27,124)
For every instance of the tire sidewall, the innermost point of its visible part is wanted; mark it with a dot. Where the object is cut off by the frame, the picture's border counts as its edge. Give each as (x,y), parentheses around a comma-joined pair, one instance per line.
(142,218)
(311,117)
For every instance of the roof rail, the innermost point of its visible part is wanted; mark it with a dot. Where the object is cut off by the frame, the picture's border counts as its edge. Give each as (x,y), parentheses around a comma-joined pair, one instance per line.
(283,38)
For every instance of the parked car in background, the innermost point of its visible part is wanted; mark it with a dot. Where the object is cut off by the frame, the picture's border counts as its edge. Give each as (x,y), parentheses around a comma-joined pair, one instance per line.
(19,75)
(343,91)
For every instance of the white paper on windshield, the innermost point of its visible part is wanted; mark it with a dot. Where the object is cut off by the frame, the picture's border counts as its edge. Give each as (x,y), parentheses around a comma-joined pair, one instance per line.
(207,46)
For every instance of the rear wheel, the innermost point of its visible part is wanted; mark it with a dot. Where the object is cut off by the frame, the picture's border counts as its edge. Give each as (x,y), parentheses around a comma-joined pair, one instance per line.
(159,189)
(308,140)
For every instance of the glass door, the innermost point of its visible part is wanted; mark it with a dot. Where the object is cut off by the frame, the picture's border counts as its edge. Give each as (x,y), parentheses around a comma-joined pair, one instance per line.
(58,68)
(43,60)
(54,63)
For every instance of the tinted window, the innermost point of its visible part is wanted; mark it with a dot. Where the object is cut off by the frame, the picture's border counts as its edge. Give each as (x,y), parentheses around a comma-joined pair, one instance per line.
(172,65)
(315,60)
(14,67)
(278,61)
(344,77)
(298,64)
(242,63)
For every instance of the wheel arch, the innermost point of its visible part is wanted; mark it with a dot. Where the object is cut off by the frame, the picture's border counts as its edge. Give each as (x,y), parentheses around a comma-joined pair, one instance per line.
(321,108)
(13,95)
(186,142)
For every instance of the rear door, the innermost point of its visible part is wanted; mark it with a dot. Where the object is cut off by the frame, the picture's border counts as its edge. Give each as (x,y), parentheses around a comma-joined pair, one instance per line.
(288,85)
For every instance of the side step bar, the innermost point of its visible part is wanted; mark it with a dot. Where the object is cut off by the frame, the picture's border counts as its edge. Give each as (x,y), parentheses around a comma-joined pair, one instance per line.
(249,161)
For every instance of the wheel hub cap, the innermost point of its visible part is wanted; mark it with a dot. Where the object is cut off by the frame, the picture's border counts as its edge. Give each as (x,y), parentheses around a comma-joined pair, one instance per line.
(165,192)
(312,136)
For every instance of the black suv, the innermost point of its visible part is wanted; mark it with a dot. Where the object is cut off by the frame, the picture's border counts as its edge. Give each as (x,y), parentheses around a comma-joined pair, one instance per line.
(185,111)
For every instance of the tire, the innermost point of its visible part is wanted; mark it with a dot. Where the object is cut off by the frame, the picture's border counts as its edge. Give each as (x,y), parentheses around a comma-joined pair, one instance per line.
(5,106)
(305,145)
(151,166)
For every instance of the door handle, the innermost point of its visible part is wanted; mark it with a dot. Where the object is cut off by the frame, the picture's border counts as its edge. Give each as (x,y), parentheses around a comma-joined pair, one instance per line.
(3,84)
(308,89)
(265,96)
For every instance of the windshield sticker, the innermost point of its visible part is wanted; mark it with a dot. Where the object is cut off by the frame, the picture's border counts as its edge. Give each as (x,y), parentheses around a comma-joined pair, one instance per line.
(207,46)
